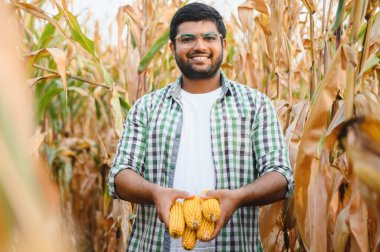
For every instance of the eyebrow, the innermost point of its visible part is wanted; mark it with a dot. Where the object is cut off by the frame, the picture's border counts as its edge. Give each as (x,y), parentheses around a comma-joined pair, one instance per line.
(183,33)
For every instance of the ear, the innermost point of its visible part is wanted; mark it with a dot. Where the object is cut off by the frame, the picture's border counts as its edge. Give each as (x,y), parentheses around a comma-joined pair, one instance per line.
(224,42)
(171,45)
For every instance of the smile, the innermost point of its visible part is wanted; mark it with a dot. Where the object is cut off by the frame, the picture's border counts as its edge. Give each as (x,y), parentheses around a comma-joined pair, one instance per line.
(199,58)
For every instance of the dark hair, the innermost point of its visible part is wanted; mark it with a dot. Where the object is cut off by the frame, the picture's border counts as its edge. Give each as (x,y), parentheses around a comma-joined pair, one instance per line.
(196,12)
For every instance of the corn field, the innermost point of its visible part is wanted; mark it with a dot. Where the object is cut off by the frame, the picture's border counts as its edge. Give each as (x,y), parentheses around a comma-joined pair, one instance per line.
(64,94)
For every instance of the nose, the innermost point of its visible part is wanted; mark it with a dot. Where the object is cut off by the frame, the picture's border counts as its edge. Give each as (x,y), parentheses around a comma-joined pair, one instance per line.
(200,44)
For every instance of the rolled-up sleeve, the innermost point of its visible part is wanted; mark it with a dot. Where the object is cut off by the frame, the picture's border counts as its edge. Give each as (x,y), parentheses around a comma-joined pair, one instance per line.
(130,152)
(269,145)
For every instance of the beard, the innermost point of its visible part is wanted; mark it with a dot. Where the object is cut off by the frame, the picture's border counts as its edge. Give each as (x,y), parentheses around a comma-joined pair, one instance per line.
(191,72)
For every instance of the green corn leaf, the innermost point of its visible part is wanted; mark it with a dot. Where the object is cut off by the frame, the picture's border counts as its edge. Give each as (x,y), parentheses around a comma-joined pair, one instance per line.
(338,16)
(46,99)
(106,76)
(106,199)
(230,55)
(76,31)
(161,41)
(98,112)
(124,105)
(83,40)
(46,36)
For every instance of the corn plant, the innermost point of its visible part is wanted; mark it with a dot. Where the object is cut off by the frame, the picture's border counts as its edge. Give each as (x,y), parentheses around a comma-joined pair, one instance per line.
(317,60)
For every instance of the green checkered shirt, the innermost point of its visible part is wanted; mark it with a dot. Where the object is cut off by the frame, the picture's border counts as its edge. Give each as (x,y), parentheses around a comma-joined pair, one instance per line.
(246,143)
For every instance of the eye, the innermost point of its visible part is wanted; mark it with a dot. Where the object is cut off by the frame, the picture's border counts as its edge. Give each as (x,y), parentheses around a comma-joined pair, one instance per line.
(210,37)
(187,39)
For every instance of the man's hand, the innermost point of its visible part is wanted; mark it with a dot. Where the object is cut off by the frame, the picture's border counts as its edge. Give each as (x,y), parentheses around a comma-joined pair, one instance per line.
(266,189)
(229,201)
(164,198)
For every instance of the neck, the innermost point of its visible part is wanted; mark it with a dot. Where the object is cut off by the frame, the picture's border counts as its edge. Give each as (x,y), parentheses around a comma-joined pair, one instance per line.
(201,86)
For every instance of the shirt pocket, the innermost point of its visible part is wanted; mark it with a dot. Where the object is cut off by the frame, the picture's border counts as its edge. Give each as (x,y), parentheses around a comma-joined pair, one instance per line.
(238,136)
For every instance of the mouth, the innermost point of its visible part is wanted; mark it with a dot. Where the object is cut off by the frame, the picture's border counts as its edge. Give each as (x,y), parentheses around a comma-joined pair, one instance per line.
(199,58)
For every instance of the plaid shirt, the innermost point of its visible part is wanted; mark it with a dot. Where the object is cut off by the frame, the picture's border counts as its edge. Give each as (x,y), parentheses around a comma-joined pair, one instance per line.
(246,143)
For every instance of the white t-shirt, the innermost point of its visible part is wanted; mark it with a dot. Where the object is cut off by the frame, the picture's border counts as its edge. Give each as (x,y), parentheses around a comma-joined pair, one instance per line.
(195,170)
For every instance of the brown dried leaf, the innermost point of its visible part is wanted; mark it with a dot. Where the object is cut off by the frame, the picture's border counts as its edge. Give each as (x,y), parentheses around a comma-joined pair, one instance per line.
(39,13)
(341,231)
(33,81)
(375,34)
(131,75)
(310,5)
(245,14)
(135,14)
(358,223)
(335,127)
(314,127)
(367,104)
(268,218)
(259,5)
(294,132)
(317,211)
(59,57)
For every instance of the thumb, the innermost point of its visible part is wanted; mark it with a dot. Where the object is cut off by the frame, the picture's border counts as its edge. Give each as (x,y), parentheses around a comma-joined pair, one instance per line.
(184,195)
(211,194)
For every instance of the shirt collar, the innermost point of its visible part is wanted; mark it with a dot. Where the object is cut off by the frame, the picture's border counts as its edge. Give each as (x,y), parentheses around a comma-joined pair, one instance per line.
(175,89)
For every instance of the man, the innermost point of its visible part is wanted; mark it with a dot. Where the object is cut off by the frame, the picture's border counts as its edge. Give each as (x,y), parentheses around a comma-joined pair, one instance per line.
(201,132)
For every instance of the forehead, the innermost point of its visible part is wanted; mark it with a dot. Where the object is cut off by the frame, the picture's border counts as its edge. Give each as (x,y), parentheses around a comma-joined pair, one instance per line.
(197,27)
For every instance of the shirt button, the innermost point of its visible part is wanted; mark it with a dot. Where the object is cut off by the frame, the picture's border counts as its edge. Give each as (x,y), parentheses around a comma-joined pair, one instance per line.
(177,135)
(172,166)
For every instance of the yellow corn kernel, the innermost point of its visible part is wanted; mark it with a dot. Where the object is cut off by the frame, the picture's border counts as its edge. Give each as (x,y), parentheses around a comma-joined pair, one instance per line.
(211,209)
(193,212)
(205,230)
(189,238)
(176,220)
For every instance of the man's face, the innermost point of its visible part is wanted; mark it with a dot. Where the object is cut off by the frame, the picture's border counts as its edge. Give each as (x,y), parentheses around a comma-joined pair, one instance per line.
(201,59)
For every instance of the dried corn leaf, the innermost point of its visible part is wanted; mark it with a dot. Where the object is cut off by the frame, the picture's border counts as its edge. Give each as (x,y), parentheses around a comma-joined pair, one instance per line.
(319,191)
(59,57)
(245,13)
(267,220)
(314,127)
(294,132)
(341,231)
(259,5)
(358,223)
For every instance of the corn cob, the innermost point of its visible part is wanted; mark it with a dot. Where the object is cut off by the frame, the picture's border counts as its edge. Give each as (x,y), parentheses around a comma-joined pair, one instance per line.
(192,212)
(189,238)
(176,220)
(205,230)
(211,209)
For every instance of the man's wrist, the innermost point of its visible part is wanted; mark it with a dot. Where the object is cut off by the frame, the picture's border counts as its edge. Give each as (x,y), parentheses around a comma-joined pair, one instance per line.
(156,192)
(239,197)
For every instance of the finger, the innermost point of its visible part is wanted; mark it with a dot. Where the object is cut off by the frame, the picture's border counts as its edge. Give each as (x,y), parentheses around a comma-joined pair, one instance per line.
(212,194)
(189,196)
(184,195)
(165,218)
(162,220)
(218,227)
(204,195)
